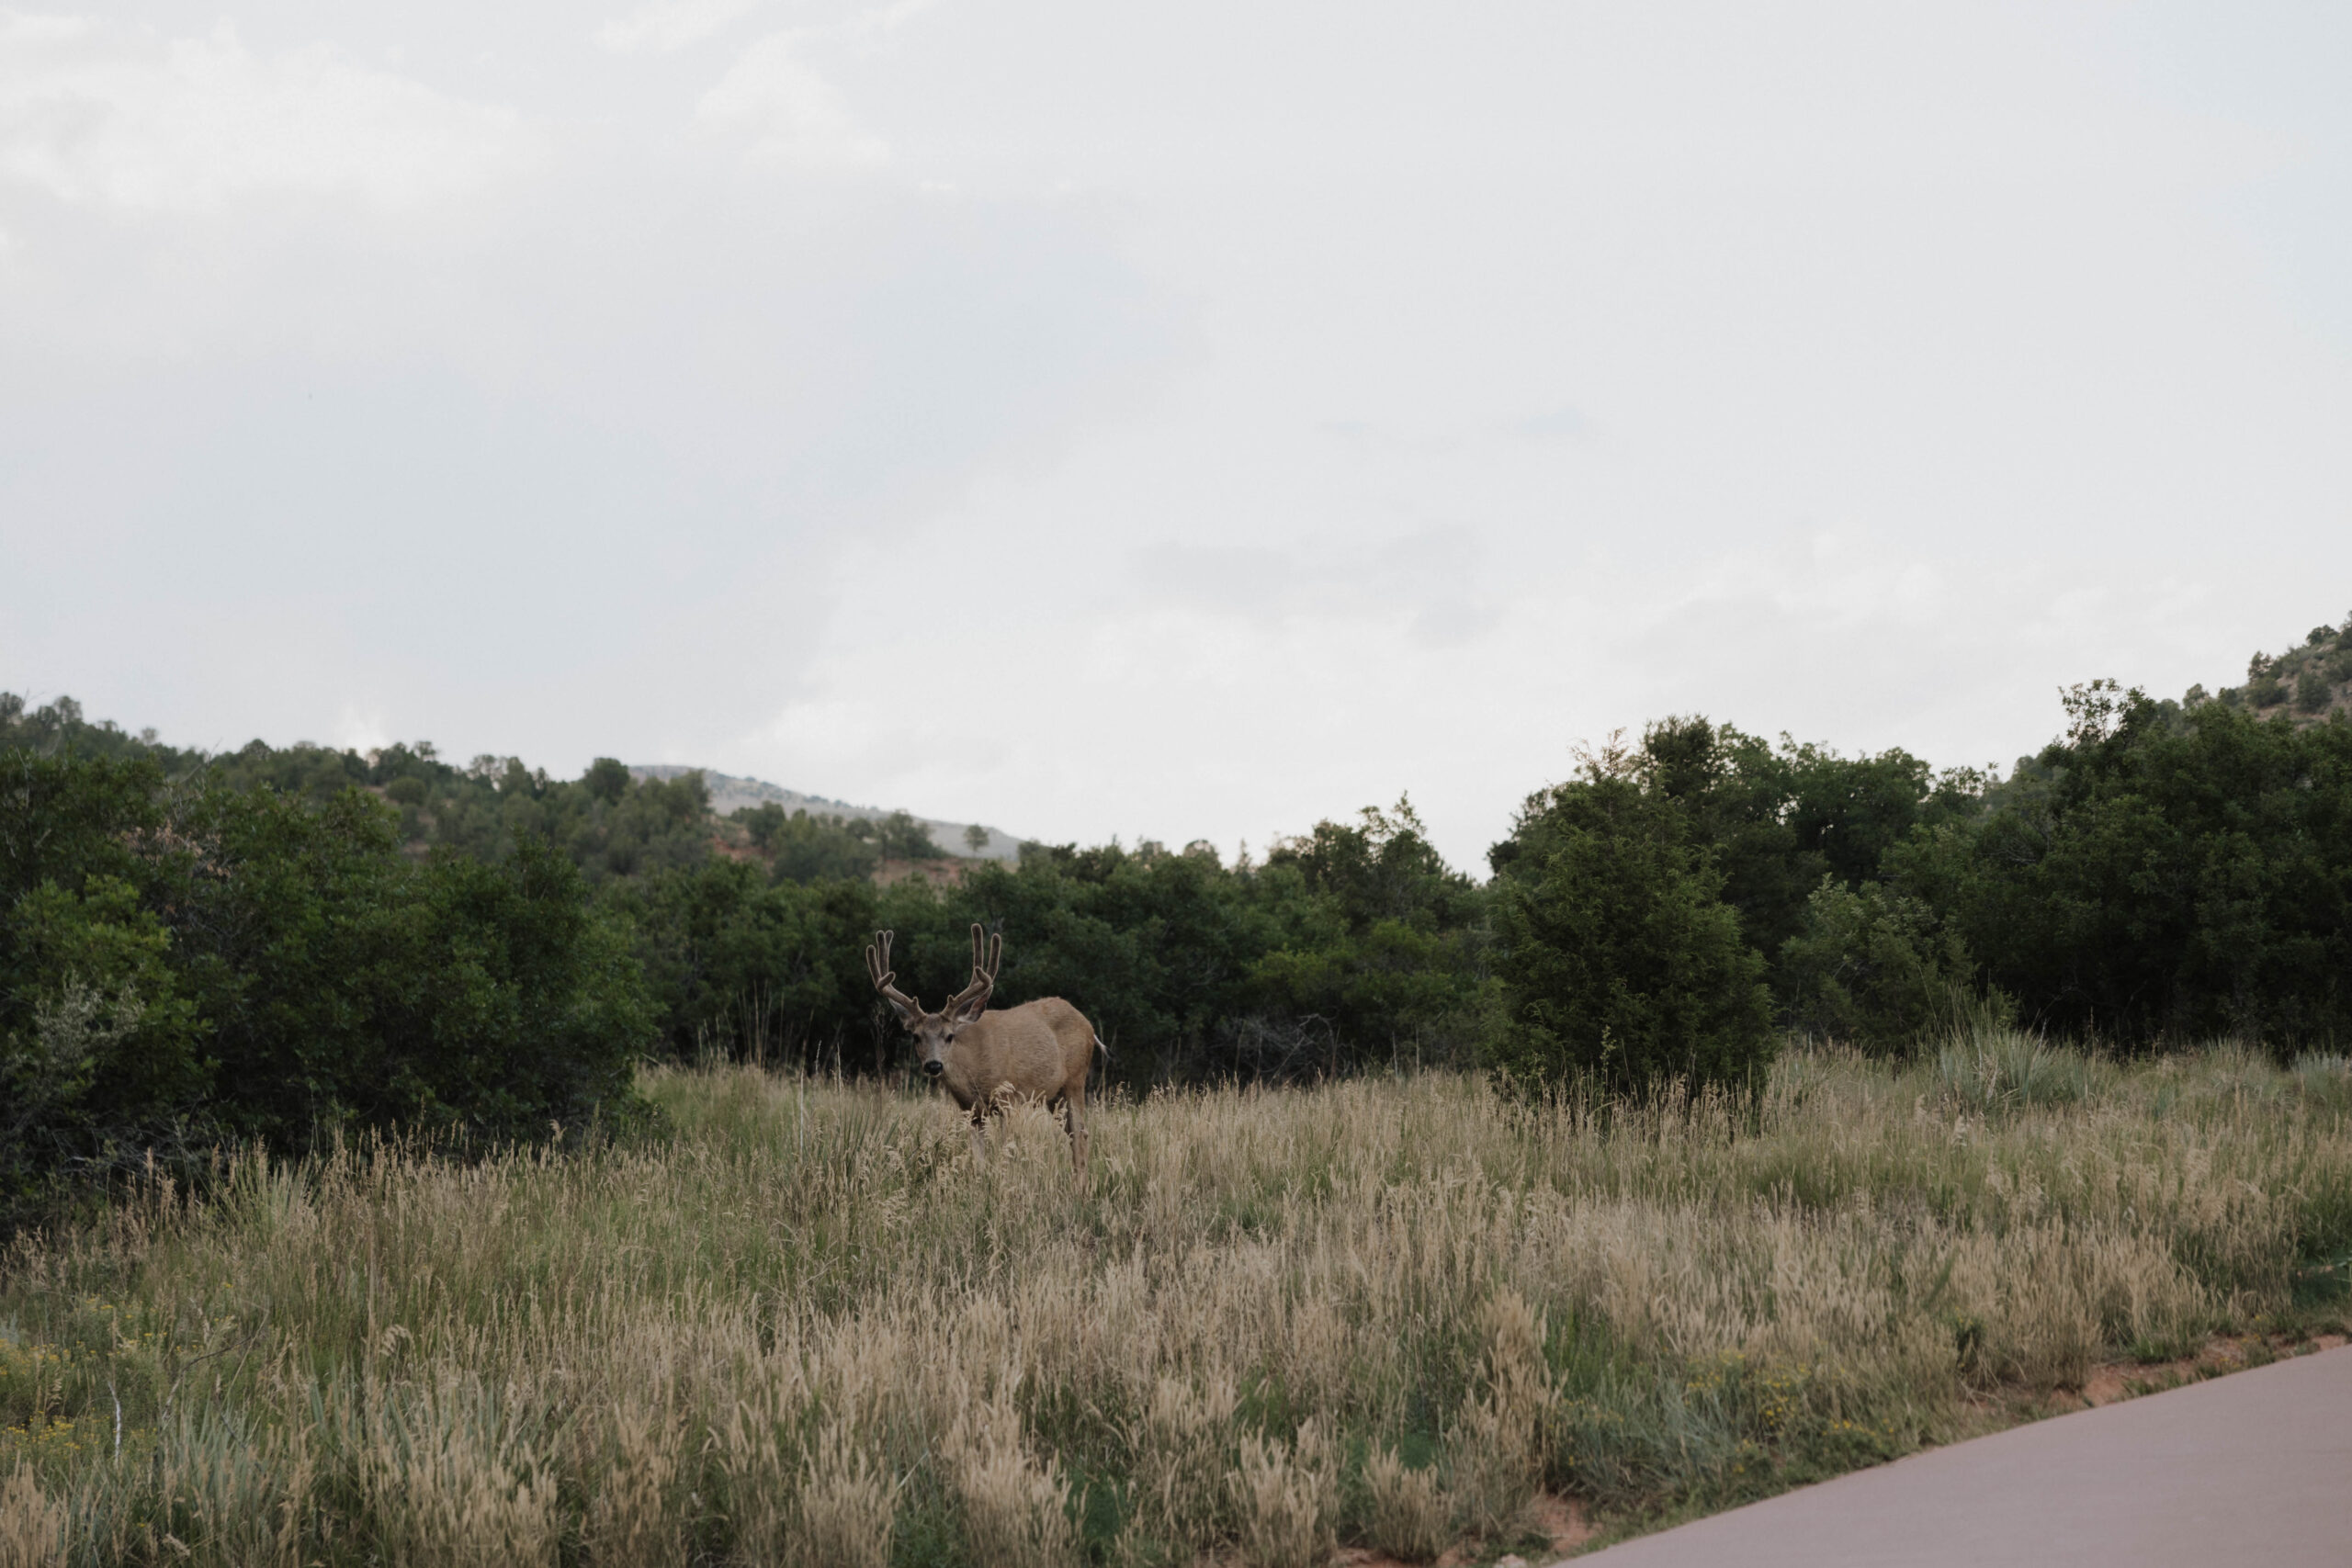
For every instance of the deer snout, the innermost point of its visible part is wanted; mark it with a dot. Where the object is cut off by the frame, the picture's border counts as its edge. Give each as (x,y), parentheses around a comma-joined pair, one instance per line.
(933,1068)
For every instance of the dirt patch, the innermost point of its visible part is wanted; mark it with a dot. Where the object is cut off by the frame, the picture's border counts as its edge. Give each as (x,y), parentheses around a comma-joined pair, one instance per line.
(2221,1355)
(1560,1520)
(1563,1521)
(938,872)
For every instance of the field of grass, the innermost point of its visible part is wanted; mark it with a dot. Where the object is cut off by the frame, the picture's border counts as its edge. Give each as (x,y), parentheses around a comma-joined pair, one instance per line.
(805,1328)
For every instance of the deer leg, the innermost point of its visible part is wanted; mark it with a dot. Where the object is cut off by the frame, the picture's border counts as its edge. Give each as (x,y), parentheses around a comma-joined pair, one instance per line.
(1074,1119)
(979,1140)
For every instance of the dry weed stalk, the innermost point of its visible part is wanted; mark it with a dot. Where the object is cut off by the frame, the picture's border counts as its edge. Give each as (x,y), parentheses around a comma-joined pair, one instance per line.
(1497,1449)
(235,1494)
(448,1479)
(637,1515)
(465,1362)
(843,1518)
(1014,1508)
(1182,1447)
(32,1527)
(1289,1499)
(1412,1520)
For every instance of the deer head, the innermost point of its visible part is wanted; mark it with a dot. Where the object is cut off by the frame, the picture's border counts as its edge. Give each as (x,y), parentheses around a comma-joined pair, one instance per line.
(935,1031)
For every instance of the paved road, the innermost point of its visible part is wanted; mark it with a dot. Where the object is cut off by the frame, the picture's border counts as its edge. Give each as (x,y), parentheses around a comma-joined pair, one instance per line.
(2251,1469)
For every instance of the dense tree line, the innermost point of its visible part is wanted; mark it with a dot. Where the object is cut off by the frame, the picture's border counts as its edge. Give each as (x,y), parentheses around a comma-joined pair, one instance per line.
(2161,874)
(183,962)
(1652,914)
(1354,945)
(295,943)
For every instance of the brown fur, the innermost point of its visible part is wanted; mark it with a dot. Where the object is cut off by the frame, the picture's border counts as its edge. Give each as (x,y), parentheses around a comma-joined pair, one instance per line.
(1038,1050)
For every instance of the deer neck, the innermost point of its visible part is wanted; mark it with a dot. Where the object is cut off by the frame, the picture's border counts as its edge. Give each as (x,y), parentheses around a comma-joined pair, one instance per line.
(971,1058)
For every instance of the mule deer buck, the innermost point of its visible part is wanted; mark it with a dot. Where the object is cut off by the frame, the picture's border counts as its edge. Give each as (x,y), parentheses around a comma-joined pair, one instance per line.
(1038,1050)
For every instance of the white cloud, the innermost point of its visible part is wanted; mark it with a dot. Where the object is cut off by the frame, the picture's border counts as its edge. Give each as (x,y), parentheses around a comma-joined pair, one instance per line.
(1382,401)
(793,114)
(670,25)
(102,115)
(361,730)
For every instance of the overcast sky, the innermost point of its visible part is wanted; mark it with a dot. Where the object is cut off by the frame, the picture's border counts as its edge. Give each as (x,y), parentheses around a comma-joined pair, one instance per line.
(1164,421)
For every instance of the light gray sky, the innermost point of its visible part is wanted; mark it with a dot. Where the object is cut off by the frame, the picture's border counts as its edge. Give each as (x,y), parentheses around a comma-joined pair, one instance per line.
(1165,421)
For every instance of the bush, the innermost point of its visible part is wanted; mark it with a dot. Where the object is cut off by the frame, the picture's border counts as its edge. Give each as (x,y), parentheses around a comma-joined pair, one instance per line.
(1873,967)
(348,987)
(179,963)
(101,1049)
(2160,875)
(1620,962)
(1986,1065)
(1775,819)
(752,969)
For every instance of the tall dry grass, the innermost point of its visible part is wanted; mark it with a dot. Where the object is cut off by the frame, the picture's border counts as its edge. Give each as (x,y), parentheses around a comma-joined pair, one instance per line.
(809,1329)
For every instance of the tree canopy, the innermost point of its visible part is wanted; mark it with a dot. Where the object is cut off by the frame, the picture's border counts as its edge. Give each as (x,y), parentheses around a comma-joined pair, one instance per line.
(294,942)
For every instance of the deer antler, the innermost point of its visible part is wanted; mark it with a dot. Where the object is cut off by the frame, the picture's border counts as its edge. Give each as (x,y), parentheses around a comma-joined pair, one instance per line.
(988,957)
(877,964)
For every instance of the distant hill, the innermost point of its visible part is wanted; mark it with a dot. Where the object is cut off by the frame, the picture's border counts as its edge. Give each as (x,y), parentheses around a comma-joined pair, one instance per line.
(729,794)
(2307,683)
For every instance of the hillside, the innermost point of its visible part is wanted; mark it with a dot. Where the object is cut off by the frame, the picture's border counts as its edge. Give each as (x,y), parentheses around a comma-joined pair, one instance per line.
(2307,683)
(729,794)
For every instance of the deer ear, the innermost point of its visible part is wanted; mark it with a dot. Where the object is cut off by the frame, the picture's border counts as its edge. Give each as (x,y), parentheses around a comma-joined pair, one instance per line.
(972,1009)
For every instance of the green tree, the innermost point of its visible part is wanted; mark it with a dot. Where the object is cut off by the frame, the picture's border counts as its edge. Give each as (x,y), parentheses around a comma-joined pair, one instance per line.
(607,778)
(348,987)
(1873,967)
(1619,963)
(182,961)
(1400,973)
(101,1049)
(754,969)
(904,838)
(2263,687)
(1778,818)
(802,848)
(2161,874)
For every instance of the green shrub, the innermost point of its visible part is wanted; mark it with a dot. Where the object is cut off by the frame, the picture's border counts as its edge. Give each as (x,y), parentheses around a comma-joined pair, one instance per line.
(1873,967)
(101,1049)
(350,988)
(1619,961)
(1986,1065)
(183,962)
(2160,875)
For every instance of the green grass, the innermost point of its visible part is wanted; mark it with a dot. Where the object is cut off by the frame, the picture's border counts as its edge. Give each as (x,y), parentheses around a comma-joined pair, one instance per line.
(806,1327)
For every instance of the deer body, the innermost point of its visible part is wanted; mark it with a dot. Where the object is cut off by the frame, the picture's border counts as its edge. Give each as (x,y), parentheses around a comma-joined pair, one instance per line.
(1038,1050)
